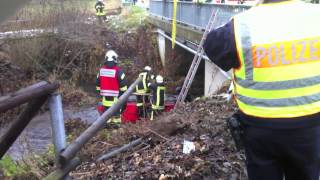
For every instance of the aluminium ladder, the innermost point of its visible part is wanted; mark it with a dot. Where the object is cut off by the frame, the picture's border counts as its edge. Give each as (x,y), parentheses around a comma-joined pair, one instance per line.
(196,61)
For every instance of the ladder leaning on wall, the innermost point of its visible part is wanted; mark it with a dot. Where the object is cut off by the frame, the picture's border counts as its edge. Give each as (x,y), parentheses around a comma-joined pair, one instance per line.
(196,61)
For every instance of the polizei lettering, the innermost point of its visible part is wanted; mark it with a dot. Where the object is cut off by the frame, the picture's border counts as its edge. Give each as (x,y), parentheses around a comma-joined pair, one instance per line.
(286,53)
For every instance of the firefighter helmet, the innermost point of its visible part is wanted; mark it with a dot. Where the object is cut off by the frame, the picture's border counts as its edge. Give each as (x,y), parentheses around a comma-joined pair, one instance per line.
(111,56)
(147,68)
(159,79)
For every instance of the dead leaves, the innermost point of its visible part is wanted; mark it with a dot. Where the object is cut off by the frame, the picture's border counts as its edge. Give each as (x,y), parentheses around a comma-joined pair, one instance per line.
(161,157)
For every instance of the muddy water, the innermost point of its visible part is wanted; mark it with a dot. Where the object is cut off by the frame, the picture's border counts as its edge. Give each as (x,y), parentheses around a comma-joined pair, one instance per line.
(38,134)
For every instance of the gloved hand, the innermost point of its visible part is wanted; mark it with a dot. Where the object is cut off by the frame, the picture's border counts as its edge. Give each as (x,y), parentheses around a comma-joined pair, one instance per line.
(236,130)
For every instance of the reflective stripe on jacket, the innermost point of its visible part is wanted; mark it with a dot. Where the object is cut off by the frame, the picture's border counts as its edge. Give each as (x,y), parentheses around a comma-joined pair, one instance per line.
(142,86)
(109,101)
(100,9)
(279,49)
(158,97)
(109,84)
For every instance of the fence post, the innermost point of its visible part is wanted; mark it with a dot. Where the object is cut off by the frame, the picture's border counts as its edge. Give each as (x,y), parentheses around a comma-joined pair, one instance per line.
(77,144)
(57,124)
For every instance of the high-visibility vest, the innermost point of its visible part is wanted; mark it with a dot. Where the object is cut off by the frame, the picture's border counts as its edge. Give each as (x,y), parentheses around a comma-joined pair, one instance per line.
(158,98)
(279,50)
(109,102)
(142,86)
(100,10)
(109,84)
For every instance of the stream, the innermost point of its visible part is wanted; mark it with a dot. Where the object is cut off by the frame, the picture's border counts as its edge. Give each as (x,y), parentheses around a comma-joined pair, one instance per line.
(37,136)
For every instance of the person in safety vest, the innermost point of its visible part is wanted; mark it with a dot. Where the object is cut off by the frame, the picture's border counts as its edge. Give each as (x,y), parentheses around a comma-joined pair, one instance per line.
(142,88)
(158,91)
(111,83)
(99,6)
(274,51)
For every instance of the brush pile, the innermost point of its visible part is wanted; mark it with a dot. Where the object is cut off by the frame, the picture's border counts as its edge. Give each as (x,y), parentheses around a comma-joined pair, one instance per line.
(160,155)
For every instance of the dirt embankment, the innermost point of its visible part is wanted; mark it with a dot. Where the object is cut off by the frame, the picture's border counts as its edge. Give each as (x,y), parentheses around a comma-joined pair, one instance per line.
(160,156)
(73,60)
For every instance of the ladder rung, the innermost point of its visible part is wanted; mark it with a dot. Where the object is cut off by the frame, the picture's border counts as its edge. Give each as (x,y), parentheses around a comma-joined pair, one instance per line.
(196,60)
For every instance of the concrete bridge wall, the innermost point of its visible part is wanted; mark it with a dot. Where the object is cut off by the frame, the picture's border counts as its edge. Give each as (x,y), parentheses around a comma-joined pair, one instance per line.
(192,19)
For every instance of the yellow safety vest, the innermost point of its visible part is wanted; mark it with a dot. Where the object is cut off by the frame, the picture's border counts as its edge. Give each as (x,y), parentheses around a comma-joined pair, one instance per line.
(279,50)
(100,10)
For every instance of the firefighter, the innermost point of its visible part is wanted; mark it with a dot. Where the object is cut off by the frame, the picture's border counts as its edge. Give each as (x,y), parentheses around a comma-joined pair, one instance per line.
(99,6)
(158,92)
(142,90)
(274,51)
(111,83)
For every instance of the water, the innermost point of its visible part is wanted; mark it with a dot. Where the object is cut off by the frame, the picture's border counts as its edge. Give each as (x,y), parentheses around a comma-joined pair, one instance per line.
(37,136)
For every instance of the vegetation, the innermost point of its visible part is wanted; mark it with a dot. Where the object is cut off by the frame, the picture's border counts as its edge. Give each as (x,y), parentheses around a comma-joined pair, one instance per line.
(10,168)
(70,56)
(31,167)
(131,18)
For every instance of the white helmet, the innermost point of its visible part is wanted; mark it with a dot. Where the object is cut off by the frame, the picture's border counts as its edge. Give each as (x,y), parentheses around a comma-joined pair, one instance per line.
(111,56)
(100,0)
(147,68)
(159,79)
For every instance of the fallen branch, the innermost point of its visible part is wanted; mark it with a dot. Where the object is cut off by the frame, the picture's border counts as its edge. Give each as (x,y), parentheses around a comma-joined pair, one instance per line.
(81,173)
(170,140)
(120,150)
(106,143)
(142,149)
(150,130)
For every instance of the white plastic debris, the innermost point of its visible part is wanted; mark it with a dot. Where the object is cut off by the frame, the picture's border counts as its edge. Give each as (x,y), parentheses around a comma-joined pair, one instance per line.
(188,146)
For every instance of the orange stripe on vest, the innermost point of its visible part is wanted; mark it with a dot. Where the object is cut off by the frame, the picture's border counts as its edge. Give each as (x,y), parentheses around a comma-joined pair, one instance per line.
(286,53)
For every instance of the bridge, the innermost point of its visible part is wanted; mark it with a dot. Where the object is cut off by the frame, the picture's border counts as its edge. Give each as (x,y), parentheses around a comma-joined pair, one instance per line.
(192,19)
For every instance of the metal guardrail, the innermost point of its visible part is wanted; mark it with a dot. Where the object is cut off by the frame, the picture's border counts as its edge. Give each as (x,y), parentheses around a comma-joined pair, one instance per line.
(67,158)
(195,14)
(35,95)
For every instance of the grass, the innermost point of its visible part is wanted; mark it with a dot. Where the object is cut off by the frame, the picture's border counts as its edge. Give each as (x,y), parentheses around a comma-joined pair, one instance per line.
(131,18)
(10,168)
(30,167)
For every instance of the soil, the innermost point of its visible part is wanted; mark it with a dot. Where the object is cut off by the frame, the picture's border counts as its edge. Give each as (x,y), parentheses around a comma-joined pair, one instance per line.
(160,156)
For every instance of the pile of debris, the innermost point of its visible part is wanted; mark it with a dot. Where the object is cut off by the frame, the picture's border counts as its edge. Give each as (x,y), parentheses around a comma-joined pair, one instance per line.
(162,152)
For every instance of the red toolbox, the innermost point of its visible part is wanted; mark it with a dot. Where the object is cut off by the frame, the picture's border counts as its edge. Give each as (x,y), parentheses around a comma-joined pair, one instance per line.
(168,106)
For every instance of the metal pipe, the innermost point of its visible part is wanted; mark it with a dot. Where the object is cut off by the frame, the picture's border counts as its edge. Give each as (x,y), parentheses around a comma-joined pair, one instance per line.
(57,124)
(59,174)
(76,145)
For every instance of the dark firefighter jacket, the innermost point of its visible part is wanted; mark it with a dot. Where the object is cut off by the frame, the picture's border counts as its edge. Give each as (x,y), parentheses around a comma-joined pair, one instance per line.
(142,87)
(99,9)
(158,92)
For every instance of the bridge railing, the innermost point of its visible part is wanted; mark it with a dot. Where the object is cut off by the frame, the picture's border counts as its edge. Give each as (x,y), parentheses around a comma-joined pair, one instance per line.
(195,14)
